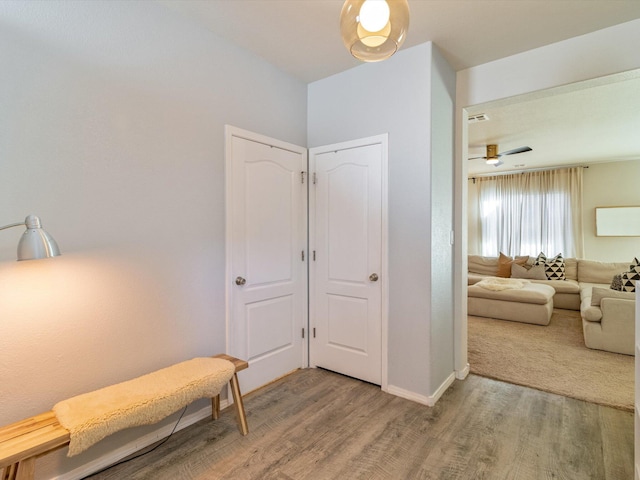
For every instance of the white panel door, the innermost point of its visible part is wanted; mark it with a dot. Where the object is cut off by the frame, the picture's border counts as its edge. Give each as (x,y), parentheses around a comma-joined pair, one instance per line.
(266,255)
(347,273)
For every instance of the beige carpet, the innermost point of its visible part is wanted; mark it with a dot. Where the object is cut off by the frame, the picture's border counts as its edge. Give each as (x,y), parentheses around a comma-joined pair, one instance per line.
(552,358)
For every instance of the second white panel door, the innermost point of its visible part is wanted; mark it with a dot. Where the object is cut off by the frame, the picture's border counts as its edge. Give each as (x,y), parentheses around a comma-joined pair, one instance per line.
(346,276)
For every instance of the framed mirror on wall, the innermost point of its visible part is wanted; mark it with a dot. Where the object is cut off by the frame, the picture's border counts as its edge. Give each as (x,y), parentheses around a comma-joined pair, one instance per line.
(618,221)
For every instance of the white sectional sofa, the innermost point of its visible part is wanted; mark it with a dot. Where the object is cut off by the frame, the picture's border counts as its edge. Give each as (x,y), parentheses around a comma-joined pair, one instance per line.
(608,316)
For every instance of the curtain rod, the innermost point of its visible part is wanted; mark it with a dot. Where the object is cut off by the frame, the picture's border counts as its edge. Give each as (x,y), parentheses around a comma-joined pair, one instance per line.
(515,172)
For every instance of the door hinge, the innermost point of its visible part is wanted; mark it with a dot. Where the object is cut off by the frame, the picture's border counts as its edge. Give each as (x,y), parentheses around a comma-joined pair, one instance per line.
(315,178)
(303,333)
(314,255)
(302,177)
(302,255)
(314,332)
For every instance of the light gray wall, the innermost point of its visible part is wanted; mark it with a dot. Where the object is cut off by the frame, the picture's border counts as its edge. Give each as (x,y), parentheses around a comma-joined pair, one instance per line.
(395,96)
(473,239)
(443,94)
(596,54)
(112,131)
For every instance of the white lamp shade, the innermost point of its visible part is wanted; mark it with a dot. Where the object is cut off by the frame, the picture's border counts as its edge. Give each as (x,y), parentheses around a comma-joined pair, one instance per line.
(390,17)
(36,243)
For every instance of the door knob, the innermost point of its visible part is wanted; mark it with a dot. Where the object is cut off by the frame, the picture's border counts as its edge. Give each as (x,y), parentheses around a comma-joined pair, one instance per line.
(240,281)
(373,277)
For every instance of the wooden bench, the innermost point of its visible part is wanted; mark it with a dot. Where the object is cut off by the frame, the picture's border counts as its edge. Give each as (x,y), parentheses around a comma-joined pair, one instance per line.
(22,442)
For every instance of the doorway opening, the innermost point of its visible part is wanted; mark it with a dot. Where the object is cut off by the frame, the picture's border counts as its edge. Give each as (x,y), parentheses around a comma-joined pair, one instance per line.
(595,248)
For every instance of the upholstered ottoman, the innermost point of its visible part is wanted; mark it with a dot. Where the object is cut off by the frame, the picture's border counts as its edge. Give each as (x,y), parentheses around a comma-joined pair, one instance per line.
(532,303)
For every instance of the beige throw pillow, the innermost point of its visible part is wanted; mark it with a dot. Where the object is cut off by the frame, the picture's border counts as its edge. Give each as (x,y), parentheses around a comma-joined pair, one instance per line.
(504,266)
(536,272)
(505,262)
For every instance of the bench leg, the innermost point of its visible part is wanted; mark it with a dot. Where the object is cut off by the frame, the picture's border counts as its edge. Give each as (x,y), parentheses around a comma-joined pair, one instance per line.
(215,407)
(237,401)
(23,470)
(9,472)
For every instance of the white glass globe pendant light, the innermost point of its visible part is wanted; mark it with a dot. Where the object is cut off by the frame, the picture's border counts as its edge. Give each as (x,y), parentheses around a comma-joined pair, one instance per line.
(373,30)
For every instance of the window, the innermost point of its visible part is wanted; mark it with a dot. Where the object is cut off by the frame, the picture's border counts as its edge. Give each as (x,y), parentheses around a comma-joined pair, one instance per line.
(532,212)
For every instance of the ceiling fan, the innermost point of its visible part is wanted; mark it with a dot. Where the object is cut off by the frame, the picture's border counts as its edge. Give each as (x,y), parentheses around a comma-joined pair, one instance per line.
(493,157)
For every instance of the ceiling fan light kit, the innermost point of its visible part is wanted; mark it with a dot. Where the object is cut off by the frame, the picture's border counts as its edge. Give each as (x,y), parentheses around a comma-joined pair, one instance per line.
(493,157)
(492,153)
(373,30)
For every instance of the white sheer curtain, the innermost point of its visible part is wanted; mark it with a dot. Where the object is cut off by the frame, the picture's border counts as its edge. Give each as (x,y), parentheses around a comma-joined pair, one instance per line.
(532,212)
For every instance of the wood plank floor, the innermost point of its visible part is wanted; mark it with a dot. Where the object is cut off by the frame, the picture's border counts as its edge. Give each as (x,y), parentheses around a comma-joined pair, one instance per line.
(319,425)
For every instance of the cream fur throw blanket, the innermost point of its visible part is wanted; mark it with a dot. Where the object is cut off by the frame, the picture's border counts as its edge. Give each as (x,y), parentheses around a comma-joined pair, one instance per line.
(142,401)
(498,284)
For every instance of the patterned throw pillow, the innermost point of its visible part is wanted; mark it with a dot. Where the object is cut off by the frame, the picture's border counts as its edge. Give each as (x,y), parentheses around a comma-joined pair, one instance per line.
(554,267)
(629,278)
(616,282)
(541,259)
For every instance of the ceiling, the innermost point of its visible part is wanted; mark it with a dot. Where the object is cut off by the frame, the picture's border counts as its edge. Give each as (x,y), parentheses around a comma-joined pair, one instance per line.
(302,37)
(596,122)
(579,126)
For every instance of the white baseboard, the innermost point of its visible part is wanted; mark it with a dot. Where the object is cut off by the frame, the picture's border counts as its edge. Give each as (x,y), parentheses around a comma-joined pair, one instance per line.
(462,374)
(442,388)
(137,445)
(406,394)
(429,400)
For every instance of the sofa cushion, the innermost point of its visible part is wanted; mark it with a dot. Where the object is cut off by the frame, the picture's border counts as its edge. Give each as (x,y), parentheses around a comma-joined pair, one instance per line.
(571,269)
(531,293)
(484,265)
(562,286)
(586,289)
(588,311)
(591,271)
(536,272)
(591,313)
(598,293)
